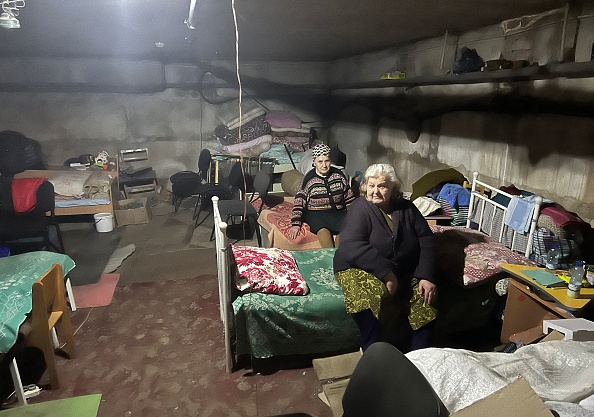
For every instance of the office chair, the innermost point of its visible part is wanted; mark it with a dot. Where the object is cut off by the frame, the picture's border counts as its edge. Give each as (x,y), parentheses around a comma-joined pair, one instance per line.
(386,384)
(242,207)
(188,184)
(34,224)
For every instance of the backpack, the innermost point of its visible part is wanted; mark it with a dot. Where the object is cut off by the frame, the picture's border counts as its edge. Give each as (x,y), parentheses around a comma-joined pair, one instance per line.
(469,61)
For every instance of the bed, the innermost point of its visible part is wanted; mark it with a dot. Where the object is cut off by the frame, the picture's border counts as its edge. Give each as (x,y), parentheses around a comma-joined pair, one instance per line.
(276,222)
(468,259)
(79,192)
(266,325)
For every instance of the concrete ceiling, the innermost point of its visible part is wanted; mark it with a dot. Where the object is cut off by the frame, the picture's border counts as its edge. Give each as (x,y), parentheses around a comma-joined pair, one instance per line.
(268,29)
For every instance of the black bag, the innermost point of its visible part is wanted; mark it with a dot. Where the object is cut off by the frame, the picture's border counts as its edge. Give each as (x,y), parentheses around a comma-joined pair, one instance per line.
(469,61)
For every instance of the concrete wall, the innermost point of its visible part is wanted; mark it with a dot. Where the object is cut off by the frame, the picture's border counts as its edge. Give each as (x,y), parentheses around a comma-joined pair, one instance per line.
(548,151)
(175,123)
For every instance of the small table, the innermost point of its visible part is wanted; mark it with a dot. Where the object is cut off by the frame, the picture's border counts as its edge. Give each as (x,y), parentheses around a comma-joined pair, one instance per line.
(528,302)
(17,275)
(439,219)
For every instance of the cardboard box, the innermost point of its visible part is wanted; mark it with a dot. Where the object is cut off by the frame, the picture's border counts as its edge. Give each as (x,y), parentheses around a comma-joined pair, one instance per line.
(334,373)
(132,211)
(515,399)
(578,329)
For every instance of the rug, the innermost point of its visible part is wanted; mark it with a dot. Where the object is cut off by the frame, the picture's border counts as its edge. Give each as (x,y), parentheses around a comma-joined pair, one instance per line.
(84,406)
(96,295)
(157,350)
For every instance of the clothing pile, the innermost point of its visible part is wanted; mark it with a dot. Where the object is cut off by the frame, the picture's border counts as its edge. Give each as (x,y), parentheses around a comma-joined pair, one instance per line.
(442,192)
(555,225)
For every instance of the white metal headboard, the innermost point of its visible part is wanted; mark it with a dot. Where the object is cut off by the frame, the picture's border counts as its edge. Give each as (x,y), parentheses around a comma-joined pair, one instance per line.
(484,211)
(224,280)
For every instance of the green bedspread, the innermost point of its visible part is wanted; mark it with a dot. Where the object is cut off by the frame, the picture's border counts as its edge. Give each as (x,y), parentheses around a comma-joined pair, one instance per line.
(271,325)
(17,275)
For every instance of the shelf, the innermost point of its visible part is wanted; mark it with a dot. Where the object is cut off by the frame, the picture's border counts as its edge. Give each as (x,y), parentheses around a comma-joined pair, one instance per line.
(543,72)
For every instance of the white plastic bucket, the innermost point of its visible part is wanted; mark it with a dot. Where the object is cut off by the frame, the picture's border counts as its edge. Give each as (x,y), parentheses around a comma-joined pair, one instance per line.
(103,222)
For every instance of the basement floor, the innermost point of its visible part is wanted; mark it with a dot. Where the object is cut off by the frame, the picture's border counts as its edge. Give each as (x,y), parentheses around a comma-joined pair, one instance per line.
(158,348)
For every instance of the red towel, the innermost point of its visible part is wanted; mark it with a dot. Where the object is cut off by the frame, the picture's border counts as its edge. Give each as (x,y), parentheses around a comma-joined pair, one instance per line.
(24,194)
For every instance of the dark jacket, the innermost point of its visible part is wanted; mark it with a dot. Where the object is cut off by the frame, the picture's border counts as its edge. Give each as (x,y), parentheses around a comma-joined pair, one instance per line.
(366,242)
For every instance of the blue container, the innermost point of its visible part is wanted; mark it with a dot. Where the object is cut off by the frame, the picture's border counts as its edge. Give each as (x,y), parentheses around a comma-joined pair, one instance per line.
(4,251)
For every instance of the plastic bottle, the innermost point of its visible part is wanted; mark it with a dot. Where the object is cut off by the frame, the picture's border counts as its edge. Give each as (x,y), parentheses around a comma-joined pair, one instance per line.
(575,282)
(552,261)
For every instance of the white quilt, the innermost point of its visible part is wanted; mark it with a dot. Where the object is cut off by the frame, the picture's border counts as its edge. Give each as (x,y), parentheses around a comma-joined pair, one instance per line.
(558,371)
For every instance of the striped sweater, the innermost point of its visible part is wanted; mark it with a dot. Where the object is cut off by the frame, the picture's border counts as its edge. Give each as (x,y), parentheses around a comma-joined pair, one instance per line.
(319,193)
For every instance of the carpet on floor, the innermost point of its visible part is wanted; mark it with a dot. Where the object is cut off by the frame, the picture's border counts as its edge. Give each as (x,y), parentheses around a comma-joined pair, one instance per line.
(84,406)
(98,294)
(158,350)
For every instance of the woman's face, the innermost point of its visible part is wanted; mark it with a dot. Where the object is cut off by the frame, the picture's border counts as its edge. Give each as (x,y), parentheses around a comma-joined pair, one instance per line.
(379,191)
(322,164)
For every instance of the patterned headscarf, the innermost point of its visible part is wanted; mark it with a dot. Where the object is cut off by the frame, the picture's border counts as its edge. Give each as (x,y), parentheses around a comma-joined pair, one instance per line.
(320,150)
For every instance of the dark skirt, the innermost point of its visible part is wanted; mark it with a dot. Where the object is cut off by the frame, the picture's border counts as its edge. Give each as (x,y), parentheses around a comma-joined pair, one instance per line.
(326,219)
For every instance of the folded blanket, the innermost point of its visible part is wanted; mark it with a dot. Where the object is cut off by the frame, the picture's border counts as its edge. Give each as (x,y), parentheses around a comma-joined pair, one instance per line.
(249,131)
(283,119)
(235,149)
(228,113)
(97,185)
(290,131)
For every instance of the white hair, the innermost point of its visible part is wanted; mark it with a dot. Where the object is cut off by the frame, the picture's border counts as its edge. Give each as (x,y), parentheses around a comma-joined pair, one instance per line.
(382,170)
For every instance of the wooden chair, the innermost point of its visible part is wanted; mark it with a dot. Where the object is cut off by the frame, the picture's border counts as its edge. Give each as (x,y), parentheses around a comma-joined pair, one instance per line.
(50,309)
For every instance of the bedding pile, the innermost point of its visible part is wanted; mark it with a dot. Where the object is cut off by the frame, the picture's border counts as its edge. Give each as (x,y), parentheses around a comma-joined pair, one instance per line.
(78,185)
(441,192)
(260,129)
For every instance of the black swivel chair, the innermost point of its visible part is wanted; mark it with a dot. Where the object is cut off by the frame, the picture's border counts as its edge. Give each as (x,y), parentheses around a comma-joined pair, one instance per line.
(386,384)
(36,224)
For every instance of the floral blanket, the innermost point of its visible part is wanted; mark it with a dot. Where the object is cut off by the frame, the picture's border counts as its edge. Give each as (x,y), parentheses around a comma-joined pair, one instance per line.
(469,257)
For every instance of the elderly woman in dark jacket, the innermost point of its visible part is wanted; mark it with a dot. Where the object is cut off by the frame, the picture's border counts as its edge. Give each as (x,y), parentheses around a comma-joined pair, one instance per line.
(385,264)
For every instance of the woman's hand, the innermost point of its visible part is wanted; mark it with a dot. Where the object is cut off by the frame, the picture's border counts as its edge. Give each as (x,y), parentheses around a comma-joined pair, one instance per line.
(391,283)
(294,231)
(428,290)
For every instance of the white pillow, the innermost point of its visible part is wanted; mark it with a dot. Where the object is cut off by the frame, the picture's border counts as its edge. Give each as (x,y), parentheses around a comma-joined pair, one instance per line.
(69,183)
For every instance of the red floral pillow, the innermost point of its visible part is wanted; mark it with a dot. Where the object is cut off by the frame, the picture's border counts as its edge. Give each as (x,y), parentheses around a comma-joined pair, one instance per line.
(268,270)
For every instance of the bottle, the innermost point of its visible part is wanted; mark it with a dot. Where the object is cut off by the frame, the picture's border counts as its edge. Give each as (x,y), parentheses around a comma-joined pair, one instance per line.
(575,282)
(552,261)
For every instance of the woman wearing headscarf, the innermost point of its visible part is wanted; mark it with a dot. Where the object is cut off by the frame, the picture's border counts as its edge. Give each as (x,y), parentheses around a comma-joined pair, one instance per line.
(386,264)
(322,199)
